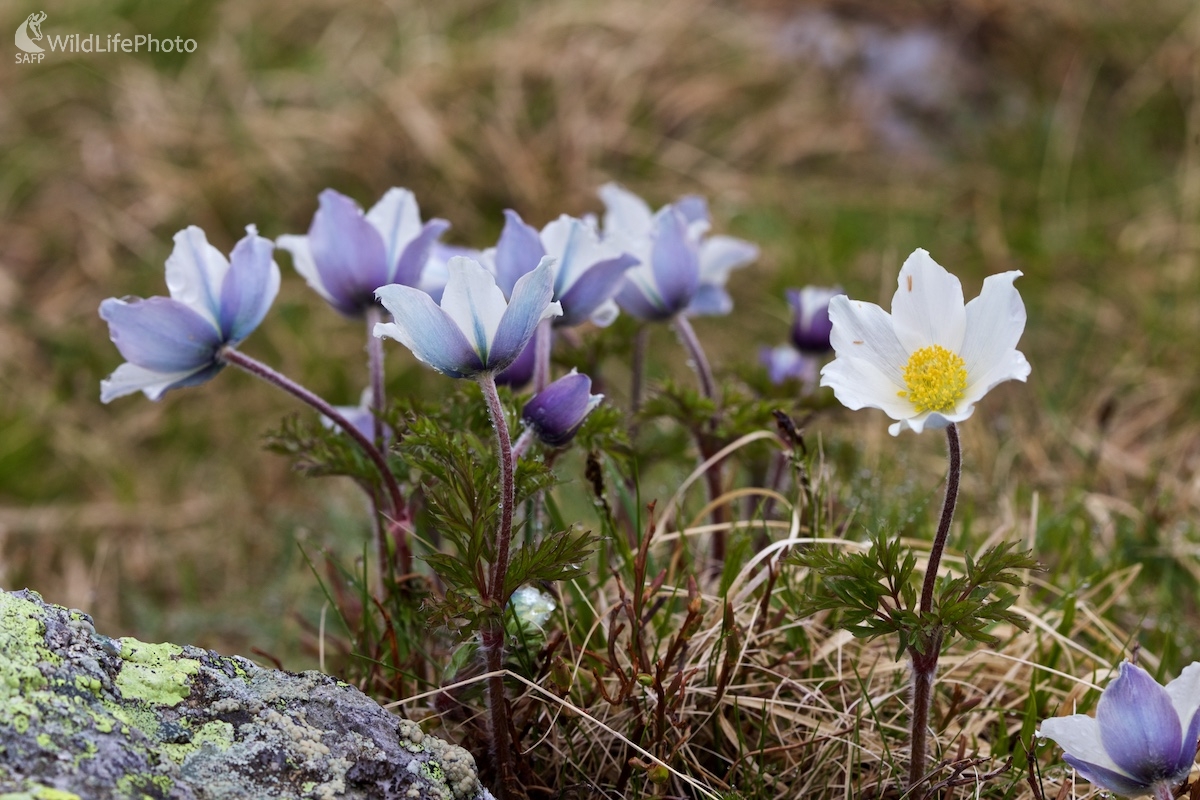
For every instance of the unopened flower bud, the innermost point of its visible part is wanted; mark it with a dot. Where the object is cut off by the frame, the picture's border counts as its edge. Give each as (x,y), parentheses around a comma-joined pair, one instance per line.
(811,326)
(557,412)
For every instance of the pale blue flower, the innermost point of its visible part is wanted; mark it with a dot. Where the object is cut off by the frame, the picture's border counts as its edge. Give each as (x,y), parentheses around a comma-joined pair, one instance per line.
(347,255)
(587,271)
(474,330)
(172,342)
(680,268)
(556,413)
(1143,738)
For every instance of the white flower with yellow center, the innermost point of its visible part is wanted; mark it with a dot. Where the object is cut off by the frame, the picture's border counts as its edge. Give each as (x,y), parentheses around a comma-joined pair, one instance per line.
(933,358)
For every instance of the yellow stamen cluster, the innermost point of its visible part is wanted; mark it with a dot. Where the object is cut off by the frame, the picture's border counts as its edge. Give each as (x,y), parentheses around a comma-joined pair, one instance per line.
(936,379)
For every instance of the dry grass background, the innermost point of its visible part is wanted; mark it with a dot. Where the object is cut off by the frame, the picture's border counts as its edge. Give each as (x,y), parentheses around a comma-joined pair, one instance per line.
(1065,141)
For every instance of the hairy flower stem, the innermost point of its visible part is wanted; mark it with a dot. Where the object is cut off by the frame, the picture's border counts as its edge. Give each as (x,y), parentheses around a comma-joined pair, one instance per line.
(541,355)
(399,511)
(639,368)
(493,593)
(925,653)
(375,370)
(699,361)
(708,385)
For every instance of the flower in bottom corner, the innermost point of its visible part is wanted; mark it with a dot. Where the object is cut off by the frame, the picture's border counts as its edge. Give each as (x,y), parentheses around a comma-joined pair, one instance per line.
(172,342)
(1142,740)
(933,358)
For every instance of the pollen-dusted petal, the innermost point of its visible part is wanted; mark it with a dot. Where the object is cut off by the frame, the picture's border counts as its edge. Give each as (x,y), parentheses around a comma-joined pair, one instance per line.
(250,287)
(397,218)
(1184,692)
(348,252)
(302,260)
(858,383)
(432,336)
(862,330)
(595,287)
(928,305)
(1138,725)
(530,305)
(674,261)
(160,334)
(625,211)
(195,272)
(518,252)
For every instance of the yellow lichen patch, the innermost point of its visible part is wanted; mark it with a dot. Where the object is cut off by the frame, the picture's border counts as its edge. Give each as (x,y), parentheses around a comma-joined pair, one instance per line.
(936,379)
(155,672)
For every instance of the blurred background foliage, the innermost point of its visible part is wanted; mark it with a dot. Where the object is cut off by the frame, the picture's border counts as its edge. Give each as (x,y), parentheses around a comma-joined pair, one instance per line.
(1052,136)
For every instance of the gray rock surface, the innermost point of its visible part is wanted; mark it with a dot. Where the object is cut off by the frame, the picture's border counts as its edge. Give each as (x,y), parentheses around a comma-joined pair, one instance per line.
(86,717)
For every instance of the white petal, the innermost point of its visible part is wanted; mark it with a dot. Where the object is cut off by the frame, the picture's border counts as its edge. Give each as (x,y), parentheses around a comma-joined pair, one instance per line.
(575,247)
(398,220)
(129,378)
(863,330)
(625,212)
(995,322)
(195,272)
(1079,735)
(1012,366)
(605,314)
(858,383)
(928,305)
(474,301)
(302,260)
(719,255)
(1185,693)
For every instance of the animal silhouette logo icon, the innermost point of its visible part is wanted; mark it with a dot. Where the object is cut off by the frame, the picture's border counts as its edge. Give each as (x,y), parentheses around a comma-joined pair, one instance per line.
(29,32)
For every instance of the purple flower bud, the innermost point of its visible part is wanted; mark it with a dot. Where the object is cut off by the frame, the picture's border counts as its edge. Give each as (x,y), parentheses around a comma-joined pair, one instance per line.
(811,326)
(557,412)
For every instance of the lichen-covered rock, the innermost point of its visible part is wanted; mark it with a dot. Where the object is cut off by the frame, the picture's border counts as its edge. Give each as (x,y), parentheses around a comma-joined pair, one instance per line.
(86,717)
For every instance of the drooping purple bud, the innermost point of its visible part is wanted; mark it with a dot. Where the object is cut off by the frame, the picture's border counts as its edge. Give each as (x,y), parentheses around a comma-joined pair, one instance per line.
(557,412)
(811,326)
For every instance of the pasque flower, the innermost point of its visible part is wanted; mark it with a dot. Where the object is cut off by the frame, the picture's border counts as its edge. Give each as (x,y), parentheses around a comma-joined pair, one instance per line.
(587,270)
(809,335)
(347,255)
(556,413)
(933,358)
(172,342)
(474,330)
(680,269)
(1142,740)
